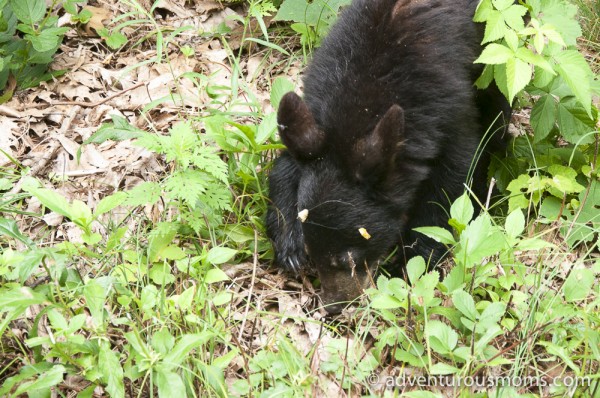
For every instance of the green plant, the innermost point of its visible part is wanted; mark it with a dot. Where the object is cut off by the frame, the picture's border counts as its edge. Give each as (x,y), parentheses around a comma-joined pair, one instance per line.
(29,38)
(552,166)
(311,19)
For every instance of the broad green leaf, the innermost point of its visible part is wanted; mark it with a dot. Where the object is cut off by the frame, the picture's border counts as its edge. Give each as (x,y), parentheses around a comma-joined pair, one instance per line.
(19,297)
(163,341)
(462,209)
(578,285)
(109,202)
(543,116)
(442,338)
(525,54)
(438,234)
(441,368)
(220,255)
(479,240)
(385,301)
(280,87)
(112,372)
(184,345)
(160,237)
(495,27)
(51,199)
(215,275)
(495,53)
(574,69)
(574,123)
(518,75)
(9,228)
(515,223)
(44,381)
(415,268)
(424,289)
(465,304)
(170,384)
(28,11)
(95,294)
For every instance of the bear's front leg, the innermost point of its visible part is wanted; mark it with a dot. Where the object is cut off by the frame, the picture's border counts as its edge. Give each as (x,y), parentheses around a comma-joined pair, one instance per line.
(283,227)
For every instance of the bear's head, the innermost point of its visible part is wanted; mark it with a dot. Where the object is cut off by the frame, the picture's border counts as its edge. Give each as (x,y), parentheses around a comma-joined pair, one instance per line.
(349,222)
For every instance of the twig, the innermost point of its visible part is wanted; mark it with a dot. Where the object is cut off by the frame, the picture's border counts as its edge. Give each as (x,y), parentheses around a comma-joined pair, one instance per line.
(97,103)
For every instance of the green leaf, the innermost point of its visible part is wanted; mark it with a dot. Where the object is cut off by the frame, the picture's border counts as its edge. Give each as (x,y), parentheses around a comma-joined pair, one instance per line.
(518,75)
(424,289)
(45,381)
(163,341)
(29,12)
(442,338)
(215,275)
(170,385)
(95,293)
(462,210)
(10,229)
(574,122)
(465,304)
(438,234)
(112,372)
(385,302)
(495,27)
(51,199)
(109,202)
(574,69)
(515,223)
(280,87)
(160,237)
(220,255)
(495,54)
(543,116)
(578,285)
(186,343)
(479,240)
(441,368)
(47,39)
(415,268)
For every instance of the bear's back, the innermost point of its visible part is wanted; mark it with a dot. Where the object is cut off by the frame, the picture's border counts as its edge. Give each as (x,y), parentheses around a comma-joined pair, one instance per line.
(418,54)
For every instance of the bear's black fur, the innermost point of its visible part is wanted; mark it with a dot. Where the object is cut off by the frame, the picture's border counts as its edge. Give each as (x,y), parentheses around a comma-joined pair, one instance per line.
(383,140)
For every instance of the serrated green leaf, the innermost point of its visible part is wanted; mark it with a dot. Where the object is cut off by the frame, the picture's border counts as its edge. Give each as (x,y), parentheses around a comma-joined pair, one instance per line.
(112,372)
(495,27)
(495,53)
(574,69)
(465,304)
(29,12)
(543,116)
(442,338)
(574,123)
(518,75)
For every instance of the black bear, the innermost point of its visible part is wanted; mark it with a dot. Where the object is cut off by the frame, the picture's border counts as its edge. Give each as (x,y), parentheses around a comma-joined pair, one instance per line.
(382,142)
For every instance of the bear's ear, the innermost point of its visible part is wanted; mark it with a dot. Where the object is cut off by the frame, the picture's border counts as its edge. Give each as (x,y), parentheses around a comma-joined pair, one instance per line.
(374,154)
(298,129)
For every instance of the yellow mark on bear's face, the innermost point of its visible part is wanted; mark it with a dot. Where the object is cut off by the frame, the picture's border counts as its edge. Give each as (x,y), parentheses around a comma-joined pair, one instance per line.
(303,215)
(363,232)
